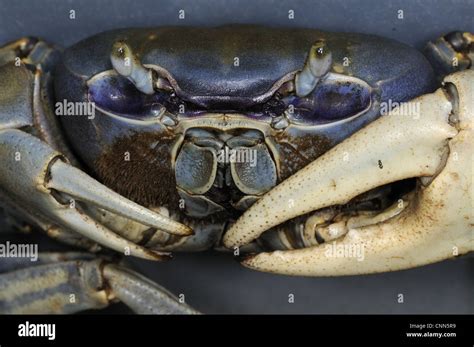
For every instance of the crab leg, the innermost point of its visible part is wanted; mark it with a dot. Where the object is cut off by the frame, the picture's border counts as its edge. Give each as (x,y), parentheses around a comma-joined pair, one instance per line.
(439,223)
(16,263)
(76,284)
(141,294)
(64,287)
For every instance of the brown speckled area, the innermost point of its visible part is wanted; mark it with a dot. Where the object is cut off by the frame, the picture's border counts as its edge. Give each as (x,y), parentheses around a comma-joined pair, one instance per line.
(297,152)
(147,178)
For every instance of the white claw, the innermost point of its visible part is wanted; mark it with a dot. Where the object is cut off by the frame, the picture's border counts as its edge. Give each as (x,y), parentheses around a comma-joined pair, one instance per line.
(72,181)
(406,147)
(437,225)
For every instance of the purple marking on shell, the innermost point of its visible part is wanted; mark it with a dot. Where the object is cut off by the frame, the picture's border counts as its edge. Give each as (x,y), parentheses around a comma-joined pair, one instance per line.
(330,102)
(118,95)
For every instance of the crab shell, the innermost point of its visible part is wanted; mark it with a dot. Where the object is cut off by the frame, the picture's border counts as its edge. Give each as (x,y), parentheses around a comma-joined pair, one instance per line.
(222,75)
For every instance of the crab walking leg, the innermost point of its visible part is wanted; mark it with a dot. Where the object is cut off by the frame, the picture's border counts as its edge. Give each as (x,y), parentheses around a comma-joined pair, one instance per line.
(142,295)
(23,176)
(72,181)
(78,284)
(437,226)
(9,264)
(61,288)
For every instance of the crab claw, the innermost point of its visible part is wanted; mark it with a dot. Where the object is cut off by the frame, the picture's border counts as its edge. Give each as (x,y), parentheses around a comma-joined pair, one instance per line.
(35,178)
(435,147)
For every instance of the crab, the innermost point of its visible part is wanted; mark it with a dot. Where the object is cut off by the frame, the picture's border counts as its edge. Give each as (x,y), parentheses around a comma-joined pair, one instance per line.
(293,149)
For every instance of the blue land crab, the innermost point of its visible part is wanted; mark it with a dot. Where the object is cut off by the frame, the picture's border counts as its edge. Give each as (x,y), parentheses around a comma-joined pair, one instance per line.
(118,142)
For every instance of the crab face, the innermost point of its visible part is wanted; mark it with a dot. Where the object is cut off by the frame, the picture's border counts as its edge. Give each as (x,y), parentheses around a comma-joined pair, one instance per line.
(174,106)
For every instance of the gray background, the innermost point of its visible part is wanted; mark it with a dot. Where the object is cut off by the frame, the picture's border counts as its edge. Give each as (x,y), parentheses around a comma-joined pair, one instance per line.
(213,282)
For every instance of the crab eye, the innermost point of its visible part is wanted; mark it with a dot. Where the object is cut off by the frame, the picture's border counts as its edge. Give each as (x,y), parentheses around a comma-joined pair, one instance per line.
(330,101)
(116,94)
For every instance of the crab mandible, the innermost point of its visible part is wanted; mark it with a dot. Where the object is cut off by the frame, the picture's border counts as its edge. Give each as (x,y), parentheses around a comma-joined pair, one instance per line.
(396,187)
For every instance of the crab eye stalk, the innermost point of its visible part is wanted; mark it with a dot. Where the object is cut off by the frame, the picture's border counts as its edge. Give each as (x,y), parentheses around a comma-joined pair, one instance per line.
(317,65)
(127,64)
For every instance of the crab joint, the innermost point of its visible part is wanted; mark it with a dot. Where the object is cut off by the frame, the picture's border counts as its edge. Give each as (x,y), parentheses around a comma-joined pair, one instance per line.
(141,294)
(317,65)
